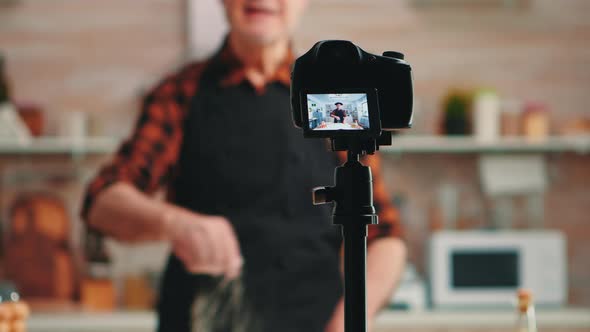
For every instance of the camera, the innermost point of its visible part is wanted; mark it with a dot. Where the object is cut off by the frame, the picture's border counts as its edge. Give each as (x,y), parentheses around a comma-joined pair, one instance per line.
(356,99)
(339,90)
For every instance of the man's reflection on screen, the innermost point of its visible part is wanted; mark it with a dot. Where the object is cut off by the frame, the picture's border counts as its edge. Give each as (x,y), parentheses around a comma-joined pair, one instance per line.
(338,111)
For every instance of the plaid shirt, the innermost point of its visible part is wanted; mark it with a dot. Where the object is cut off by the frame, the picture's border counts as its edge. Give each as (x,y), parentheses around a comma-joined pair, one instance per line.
(148,158)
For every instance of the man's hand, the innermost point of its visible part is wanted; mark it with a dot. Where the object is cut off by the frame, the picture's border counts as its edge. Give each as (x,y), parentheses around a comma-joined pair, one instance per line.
(385,263)
(336,323)
(205,244)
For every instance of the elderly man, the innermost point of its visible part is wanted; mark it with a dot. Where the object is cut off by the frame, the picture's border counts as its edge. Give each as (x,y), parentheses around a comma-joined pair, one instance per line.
(338,114)
(238,191)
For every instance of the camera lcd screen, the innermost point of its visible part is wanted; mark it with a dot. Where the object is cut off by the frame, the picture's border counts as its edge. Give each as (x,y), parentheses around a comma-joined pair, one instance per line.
(338,111)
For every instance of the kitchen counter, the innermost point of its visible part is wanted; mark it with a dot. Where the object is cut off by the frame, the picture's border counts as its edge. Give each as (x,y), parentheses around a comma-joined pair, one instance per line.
(144,321)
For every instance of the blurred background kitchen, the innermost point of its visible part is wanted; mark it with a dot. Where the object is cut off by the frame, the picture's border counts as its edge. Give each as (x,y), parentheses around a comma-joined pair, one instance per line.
(493,180)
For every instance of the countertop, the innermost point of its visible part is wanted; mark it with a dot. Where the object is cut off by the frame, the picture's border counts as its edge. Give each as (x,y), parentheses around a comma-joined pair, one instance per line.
(564,319)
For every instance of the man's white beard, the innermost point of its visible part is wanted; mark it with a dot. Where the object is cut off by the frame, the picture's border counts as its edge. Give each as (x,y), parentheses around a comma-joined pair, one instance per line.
(266,40)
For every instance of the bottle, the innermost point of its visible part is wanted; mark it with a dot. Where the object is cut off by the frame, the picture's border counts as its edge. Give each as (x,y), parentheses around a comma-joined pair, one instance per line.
(511,118)
(486,110)
(4,87)
(11,126)
(536,122)
(29,114)
(5,316)
(526,321)
(97,287)
(13,314)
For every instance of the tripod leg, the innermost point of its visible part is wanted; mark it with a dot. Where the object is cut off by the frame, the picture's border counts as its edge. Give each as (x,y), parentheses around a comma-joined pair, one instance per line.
(355,299)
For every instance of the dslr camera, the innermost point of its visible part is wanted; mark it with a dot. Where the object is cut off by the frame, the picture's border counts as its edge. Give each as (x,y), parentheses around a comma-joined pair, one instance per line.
(341,92)
(356,99)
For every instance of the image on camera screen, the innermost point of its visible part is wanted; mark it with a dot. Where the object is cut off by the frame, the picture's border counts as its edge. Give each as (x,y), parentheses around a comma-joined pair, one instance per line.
(338,111)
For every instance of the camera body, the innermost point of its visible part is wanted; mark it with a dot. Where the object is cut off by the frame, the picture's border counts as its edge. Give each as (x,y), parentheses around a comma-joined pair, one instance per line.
(374,92)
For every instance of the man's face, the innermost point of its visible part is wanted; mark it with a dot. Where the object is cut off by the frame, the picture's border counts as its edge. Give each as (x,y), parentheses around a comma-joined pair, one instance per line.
(263,21)
(338,106)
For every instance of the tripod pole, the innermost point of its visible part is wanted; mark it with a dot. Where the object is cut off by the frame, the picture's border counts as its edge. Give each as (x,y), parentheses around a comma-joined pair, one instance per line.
(354,211)
(355,299)
(353,195)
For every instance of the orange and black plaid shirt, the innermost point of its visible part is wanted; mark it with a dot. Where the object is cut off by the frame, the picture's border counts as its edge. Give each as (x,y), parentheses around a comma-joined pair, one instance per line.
(147,160)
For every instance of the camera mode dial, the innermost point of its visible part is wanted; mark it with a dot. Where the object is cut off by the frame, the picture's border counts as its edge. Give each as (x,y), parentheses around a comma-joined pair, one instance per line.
(394,54)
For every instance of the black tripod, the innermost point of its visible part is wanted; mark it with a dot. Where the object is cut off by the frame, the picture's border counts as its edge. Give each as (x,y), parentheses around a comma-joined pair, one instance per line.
(353,194)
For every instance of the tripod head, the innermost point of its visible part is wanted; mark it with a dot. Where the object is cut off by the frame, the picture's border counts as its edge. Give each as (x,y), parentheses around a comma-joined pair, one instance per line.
(360,145)
(352,192)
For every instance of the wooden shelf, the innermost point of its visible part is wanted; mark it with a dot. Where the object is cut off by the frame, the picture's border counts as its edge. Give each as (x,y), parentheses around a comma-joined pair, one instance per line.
(60,146)
(468,144)
(401,144)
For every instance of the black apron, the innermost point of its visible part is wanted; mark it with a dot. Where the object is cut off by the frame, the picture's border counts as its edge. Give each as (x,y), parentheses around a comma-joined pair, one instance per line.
(243,159)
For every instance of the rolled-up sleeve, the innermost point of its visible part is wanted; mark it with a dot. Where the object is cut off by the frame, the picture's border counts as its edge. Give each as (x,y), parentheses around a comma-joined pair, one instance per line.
(146,159)
(389,221)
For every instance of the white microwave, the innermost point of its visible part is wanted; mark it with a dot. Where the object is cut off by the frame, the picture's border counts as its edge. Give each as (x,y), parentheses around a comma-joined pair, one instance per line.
(486,268)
